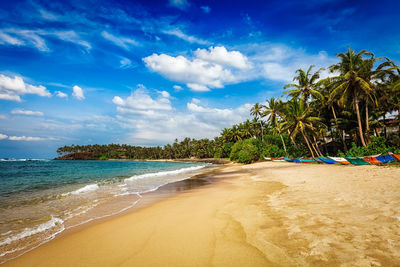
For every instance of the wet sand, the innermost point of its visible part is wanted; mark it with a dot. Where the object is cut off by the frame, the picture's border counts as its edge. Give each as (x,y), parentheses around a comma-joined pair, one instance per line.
(263,214)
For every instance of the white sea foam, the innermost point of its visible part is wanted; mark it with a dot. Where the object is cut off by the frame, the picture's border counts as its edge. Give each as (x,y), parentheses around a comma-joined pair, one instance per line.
(85,189)
(165,173)
(32,231)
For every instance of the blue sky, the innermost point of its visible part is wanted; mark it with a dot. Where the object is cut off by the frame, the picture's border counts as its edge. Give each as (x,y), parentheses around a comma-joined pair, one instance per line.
(147,72)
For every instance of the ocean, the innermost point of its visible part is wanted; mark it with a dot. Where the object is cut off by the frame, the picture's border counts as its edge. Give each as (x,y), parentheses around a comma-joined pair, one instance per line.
(41,198)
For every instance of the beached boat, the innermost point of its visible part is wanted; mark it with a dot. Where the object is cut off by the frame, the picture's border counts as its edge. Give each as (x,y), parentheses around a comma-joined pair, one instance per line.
(277,159)
(267,159)
(340,160)
(307,160)
(357,161)
(326,160)
(288,160)
(372,160)
(385,159)
(292,160)
(395,156)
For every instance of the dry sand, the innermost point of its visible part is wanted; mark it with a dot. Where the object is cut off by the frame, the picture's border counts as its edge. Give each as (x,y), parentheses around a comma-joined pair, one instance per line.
(264,214)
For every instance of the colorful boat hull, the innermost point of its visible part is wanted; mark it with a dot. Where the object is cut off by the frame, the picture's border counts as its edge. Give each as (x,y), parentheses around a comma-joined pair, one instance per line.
(327,160)
(395,156)
(340,160)
(372,160)
(357,161)
(277,159)
(307,160)
(385,159)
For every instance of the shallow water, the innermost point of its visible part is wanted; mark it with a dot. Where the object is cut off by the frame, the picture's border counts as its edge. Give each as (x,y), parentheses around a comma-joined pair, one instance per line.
(41,198)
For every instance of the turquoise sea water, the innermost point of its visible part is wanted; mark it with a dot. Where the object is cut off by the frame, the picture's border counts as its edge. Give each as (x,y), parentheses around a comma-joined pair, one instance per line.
(41,198)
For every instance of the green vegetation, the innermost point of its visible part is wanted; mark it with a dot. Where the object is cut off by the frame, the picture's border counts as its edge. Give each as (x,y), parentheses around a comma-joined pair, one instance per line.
(319,117)
(247,151)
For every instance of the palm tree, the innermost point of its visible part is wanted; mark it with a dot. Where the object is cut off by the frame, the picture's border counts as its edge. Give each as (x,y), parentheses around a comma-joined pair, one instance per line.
(299,120)
(273,110)
(349,85)
(278,129)
(306,85)
(355,82)
(257,111)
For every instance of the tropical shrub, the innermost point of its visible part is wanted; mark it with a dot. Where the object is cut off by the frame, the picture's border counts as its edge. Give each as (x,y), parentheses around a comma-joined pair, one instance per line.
(274,151)
(247,151)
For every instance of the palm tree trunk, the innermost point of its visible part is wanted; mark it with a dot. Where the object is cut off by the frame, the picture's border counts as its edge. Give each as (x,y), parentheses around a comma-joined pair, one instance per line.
(284,146)
(316,145)
(359,122)
(384,124)
(367,122)
(262,131)
(292,139)
(341,134)
(308,144)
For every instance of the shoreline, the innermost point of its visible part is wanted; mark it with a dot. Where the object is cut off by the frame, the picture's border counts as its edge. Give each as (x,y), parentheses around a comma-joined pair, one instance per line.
(263,214)
(201,178)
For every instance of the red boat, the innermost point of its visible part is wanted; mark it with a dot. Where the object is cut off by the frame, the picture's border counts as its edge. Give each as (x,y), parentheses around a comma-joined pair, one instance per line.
(395,156)
(277,159)
(372,160)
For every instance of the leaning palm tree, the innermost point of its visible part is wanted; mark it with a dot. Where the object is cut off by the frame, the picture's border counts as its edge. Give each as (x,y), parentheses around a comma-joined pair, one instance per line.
(257,112)
(299,120)
(306,85)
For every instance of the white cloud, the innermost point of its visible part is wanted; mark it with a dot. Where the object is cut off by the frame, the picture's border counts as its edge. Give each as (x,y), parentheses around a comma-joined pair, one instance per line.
(78,93)
(13,88)
(28,138)
(8,39)
(156,124)
(19,37)
(3,117)
(220,55)
(206,9)
(188,38)
(3,136)
(125,63)
(26,112)
(71,36)
(123,42)
(279,62)
(61,94)
(181,4)
(177,88)
(140,102)
(208,69)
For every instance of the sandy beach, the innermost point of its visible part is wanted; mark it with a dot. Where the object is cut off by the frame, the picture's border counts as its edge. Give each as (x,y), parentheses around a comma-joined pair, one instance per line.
(263,214)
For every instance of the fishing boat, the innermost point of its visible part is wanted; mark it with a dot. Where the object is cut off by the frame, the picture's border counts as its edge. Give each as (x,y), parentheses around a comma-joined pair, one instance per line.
(277,159)
(288,160)
(292,160)
(372,160)
(385,159)
(357,161)
(340,160)
(326,160)
(395,156)
(267,159)
(307,160)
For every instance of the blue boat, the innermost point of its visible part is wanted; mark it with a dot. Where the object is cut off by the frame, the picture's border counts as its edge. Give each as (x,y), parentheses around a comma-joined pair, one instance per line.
(385,159)
(292,160)
(327,160)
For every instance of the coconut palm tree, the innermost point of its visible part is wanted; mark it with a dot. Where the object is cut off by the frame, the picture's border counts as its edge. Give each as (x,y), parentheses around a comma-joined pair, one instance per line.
(257,112)
(273,109)
(355,84)
(299,120)
(306,85)
(279,129)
